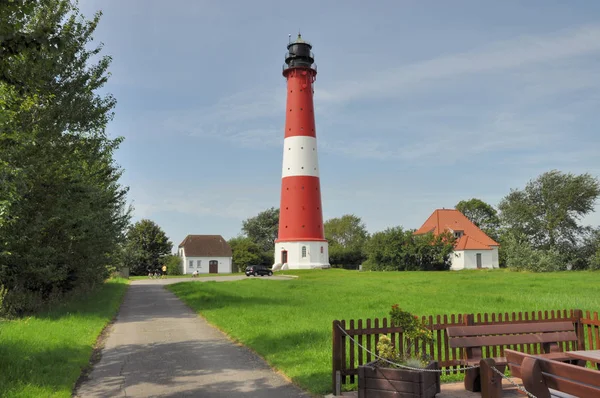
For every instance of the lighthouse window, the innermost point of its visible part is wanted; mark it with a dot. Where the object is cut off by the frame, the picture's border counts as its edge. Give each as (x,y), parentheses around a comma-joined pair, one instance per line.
(303,251)
(321,249)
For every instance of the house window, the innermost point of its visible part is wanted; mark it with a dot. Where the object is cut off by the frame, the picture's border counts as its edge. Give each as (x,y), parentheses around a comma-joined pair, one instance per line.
(458,234)
(191,263)
(303,251)
(199,263)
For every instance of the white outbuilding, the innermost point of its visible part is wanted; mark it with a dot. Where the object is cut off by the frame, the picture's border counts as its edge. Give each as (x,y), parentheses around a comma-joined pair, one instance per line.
(207,254)
(473,248)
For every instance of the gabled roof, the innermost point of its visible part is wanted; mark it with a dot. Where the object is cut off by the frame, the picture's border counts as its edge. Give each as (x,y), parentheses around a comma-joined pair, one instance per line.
(205,246)
(453,220)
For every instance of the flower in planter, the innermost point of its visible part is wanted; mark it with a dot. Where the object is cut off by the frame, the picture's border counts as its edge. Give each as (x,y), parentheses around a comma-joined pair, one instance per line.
(413,329)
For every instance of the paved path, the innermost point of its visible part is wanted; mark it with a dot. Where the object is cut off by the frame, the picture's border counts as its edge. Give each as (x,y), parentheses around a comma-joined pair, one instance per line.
(158,347)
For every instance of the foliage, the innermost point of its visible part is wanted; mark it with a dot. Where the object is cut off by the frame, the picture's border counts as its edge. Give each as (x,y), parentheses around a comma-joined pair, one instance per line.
(347,236)
(481,214)
(549,210)
(396,249)
(62,209)
(594,260)
(3,292)
(289,322)
(246,252)
(43,355)
(174,264)
(413,330)
(263,229)
(147,245)
(520,256)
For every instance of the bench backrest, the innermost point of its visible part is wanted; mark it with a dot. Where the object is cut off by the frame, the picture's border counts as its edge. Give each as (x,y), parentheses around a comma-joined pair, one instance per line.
(539,375)
(546,333)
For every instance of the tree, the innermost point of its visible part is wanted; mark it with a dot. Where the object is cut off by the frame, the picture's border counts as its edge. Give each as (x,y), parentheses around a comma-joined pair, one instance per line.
(396,249)
(174,264)
(521,256)
(148,244)
(263,229)
(62,209)
(347,236)
(246,252)
(549,210)
(481,214)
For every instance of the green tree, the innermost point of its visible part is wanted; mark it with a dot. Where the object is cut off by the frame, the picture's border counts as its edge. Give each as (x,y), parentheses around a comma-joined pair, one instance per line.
(481,214)
(246,252)
(263,229)
(387,251)
(396,249)
(347,236)
(148,245)
(62,209)
(550,208)
(521,256)
(174,264)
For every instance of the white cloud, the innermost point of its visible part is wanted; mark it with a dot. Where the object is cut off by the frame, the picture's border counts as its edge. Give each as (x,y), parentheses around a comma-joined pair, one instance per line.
(512,54)
(528,72)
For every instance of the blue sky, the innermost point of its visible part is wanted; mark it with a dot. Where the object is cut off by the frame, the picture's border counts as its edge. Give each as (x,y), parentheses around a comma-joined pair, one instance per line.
(419,104)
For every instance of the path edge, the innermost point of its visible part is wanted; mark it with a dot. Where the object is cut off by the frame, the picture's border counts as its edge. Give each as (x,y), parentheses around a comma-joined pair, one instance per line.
(240,344)
(96,354)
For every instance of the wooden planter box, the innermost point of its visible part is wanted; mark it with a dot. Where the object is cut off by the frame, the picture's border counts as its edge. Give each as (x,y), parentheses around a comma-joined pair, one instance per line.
(376,382)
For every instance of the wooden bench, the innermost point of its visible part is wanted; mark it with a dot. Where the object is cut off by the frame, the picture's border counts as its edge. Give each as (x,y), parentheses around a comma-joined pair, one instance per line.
(473,338)
(545,378)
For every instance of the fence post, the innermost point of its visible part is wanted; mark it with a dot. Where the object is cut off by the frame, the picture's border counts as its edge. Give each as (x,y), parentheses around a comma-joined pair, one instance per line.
(579,329)
(337,357)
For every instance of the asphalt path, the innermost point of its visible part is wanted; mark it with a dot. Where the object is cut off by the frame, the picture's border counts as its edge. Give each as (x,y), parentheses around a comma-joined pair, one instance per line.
(158,347)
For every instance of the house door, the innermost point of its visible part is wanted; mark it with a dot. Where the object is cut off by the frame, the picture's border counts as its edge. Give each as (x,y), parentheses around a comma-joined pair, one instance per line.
(478,260)
(213,267)
(284,257)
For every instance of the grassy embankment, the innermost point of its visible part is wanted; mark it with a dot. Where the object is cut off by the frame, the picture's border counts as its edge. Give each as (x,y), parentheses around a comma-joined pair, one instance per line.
(289,322)
(43,355)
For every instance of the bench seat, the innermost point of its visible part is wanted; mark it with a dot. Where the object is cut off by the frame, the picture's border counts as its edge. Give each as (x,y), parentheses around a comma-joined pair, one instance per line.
(548,335)
(546,378)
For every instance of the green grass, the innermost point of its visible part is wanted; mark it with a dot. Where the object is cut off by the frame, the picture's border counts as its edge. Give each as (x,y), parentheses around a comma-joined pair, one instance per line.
(289,322)
(137,278)
(43,355)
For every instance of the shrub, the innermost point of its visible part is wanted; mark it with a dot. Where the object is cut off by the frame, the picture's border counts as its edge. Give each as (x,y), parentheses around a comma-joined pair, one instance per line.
(174,265)
(3,292)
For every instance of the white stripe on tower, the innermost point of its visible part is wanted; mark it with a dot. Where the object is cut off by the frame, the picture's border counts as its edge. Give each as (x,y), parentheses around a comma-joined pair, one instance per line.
(300,157)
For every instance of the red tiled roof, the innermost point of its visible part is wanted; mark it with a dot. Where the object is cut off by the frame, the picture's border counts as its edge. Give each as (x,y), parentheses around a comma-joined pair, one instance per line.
(206,246)
(453,220)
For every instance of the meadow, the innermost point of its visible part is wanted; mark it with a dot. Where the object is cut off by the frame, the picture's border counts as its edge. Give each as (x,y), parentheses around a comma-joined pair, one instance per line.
(289,322)
(43,355)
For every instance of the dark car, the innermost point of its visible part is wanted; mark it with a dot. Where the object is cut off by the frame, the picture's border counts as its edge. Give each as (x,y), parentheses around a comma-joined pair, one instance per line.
(261,270)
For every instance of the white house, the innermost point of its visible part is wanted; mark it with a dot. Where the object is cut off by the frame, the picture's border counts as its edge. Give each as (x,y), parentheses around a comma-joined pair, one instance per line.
(205,254)
(473,248)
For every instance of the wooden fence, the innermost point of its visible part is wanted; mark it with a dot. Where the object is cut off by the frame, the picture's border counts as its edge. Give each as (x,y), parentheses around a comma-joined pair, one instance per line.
(347,355)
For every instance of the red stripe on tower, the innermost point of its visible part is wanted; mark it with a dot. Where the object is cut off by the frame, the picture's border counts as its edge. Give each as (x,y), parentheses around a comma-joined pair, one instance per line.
(301,241)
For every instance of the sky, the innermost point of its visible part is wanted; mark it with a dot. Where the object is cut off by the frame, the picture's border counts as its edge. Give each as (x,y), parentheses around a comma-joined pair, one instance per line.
(418,104)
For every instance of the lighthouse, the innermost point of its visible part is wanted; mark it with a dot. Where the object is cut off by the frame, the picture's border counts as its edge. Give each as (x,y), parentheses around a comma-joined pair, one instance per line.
(301,242)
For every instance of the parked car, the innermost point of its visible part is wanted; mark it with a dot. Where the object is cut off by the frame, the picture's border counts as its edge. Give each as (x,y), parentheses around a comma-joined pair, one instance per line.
(261,270)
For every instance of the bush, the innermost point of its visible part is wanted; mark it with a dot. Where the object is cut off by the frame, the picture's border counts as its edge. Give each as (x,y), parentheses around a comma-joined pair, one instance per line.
(595,261)
(3,292)
(520,256)
(174,265)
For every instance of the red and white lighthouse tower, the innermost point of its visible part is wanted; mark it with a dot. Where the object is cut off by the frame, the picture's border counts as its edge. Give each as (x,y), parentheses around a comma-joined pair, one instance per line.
(301,241)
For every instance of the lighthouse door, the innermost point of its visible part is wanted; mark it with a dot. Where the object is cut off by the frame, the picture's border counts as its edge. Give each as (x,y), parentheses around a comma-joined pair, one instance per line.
(284,257)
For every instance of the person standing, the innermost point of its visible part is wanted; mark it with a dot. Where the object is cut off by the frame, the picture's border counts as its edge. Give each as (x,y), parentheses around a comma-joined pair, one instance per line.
(164,270)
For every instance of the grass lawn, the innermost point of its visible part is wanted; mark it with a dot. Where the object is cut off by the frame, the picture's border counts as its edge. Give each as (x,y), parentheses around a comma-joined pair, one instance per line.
(137,278)
(43,355)
(289,322)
